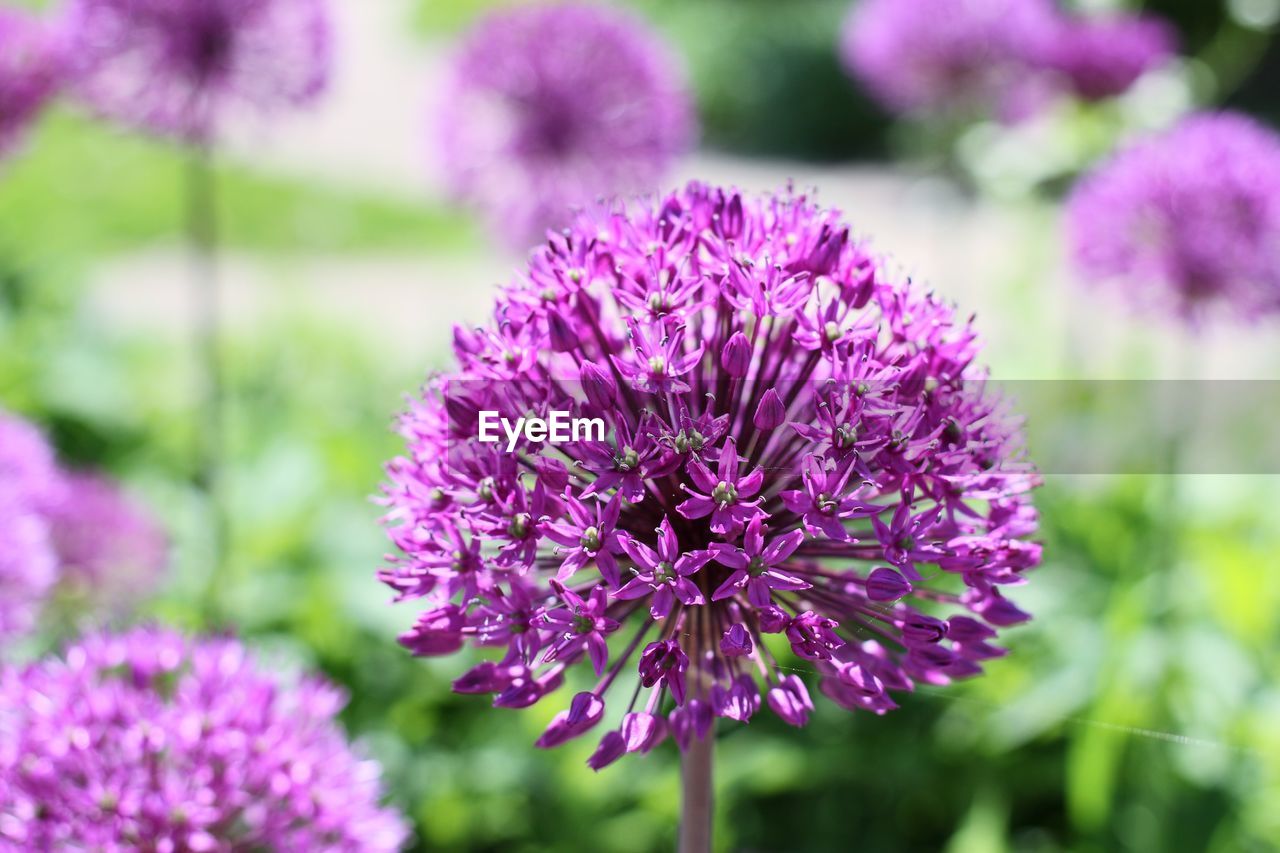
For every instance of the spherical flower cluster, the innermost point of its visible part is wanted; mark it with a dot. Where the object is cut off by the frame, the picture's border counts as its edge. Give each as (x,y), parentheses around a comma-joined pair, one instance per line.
(109,548)
(947,56)
(551,106)
(791,448)
(1101,57)
(28,569)
(1008,57)
(28,484)
(27,462)
(176,66)
(67,532)
(148,740)
(31,66)
(1188,218)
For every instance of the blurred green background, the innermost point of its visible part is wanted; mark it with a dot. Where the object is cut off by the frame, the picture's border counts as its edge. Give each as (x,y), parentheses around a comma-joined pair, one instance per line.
(1139,711)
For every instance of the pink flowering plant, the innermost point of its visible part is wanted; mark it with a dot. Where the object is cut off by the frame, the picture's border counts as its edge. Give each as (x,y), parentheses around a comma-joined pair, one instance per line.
(802,479)
(1185,221)
(1007,58)
(149,740)
(112,551)
(548,106)
(29,485)
(68,538)
(179,67)
(32,65)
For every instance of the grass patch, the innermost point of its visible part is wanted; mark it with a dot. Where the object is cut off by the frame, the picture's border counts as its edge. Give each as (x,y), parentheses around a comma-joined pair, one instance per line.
(82,188)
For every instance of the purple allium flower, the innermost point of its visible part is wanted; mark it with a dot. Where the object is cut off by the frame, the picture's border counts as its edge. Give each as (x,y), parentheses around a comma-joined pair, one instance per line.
(27,462)
(947,56)
(889,501)
(1101,57)
(175,744)
(1006,57)
(108,545)
(31,66)
(176,66)
(29,484)
(80,529)
(28,568)
(1188,218)
(551,106)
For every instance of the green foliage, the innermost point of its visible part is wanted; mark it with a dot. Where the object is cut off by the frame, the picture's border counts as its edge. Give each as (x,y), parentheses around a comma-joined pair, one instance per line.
(84,188)
(432,18)
(767,77)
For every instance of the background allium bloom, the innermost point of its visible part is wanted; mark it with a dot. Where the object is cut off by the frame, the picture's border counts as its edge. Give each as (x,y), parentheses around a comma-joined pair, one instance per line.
(798,444)
(30,71)
(108,545)
(176,66)
(28,569)
(1188,218)
(1103,56)
(182,745)
(548,107)
(945,56)
(27,463)
(29,484)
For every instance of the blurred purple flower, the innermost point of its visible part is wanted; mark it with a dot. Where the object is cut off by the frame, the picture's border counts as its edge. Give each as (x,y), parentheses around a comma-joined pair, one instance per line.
(1101,57)
(178,66)
(663,553)
(552,106)
(949,56)
(31,69)
(29,484)
(109,548)
(28,568)
(177,744)
(28,466)
(1001,57)
(1188,218)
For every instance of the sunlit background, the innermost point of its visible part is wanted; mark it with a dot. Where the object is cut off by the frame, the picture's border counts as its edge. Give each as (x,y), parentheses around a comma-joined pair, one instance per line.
(1139,710)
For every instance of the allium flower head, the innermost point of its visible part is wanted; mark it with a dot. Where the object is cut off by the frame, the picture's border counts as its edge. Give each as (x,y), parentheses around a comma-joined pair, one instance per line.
(28,485)
(27,463)
(109,547)
(176,66)
(31,66)
(1101,57)
(552,106)
(1188,218)
(27,566)
(948,56)
(796,450)
(151,739)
